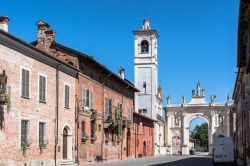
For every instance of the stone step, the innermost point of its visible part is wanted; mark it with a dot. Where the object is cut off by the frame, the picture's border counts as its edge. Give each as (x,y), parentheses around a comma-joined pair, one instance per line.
(68,163)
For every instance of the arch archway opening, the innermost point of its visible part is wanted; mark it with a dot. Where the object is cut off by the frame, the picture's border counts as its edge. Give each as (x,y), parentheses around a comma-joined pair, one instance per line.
(198,135)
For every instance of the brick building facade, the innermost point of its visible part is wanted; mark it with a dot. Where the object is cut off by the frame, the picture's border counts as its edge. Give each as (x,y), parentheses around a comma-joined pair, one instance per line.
(38,119)
(142,136)
(104,102)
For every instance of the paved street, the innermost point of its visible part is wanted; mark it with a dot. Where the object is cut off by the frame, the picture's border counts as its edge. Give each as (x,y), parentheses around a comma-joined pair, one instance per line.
(203,160)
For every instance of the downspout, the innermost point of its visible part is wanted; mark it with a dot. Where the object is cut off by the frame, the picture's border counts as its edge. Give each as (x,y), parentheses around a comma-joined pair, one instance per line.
(103,93)
(56,112)
(122,129)
(76,121)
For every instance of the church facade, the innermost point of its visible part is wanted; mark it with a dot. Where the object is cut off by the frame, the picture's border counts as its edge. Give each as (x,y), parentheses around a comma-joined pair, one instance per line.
(149,100)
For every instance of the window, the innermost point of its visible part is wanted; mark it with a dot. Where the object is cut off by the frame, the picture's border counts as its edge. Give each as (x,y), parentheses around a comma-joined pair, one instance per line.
(144,85)
(66,96)
(87,98)
(108,109)
(24,131)
(119,110)
(83,129)
(130,113)
(144,46)
(42,89)
(41,132)
(25,83)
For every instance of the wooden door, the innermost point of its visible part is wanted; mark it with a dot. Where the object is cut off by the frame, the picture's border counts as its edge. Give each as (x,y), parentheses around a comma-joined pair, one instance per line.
(144,149)
(65,150)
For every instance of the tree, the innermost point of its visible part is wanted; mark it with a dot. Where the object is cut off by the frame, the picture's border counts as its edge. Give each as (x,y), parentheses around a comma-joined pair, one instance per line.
(200,133)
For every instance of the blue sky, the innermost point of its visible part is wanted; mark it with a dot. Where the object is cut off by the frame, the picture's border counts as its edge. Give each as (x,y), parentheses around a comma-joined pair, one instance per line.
(196,121)
(198,38)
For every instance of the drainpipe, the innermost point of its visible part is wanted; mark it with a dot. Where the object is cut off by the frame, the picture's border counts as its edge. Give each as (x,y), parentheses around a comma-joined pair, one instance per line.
(103,93)
(76,121)
(56,112)
(122,130)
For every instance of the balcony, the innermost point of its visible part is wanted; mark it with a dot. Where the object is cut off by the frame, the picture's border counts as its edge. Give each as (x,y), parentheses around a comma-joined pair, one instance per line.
(109,118)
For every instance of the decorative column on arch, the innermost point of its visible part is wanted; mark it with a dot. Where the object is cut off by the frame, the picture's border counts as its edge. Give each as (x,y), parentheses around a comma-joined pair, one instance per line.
(169,133)
(185,134)
(211,132)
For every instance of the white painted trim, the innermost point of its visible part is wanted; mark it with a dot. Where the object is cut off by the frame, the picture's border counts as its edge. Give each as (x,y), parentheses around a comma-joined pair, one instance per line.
(20,128)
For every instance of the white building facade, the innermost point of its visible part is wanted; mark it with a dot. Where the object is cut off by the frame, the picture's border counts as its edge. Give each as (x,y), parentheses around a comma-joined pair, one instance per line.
(149,100)
(179,116)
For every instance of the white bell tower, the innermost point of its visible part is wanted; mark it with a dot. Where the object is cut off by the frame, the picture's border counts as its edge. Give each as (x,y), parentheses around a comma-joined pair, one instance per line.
(146,70)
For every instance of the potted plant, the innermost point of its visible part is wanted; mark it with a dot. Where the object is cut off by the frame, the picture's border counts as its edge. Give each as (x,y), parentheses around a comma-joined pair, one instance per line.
(24,146)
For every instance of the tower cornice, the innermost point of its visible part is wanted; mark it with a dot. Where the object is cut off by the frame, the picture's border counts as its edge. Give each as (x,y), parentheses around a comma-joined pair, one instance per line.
(146,32)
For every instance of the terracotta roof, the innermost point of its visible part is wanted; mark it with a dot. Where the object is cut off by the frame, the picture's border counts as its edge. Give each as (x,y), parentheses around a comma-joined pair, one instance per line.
(91,59)
(34,48)
(145,117)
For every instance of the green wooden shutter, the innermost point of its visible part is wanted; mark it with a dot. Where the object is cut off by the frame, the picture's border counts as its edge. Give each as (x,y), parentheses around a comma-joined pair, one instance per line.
(83,97)
(66,96)
(87,97)
(27,83)
(91,100)
(23,82)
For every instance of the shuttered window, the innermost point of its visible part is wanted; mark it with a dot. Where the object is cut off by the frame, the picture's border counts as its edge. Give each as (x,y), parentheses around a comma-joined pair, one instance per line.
(108,109)
(66,96)
(42,89)
(41,131)
(25,83)
(130,113)
(119,110)
(87,98)
(83,129)
(24,131)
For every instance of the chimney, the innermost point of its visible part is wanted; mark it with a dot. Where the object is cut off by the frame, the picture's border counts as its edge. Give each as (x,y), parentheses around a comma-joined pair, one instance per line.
(121,73)
(45,36)
(4,23)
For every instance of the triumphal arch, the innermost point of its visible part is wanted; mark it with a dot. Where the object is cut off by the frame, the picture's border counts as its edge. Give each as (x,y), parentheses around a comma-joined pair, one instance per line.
(179,116)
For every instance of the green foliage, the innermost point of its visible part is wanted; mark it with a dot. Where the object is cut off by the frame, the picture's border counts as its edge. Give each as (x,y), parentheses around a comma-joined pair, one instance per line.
(41,145)
(200,134)
(8,103)
(129,125)
(24,146)
(93,122)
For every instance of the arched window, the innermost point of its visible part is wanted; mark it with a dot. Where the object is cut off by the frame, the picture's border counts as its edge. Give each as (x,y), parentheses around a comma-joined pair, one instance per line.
(144,46)
(220,120)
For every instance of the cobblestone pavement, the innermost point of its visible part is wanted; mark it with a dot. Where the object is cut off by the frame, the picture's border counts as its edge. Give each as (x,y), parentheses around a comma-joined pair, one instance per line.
(196,160)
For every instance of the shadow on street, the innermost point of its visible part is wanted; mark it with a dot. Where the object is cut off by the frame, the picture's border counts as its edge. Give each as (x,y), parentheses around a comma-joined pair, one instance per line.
(193,161)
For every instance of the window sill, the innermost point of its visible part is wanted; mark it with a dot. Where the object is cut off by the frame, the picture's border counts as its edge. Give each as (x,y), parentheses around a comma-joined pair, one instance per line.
(25,97)
(43,102)
(67,108)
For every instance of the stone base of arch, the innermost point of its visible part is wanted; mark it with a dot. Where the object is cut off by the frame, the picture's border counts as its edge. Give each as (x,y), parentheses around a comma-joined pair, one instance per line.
(184,150)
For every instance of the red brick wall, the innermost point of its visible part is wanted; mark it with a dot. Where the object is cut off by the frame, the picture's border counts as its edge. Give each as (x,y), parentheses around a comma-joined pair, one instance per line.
(142,133)
(88,151)
(32,110)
